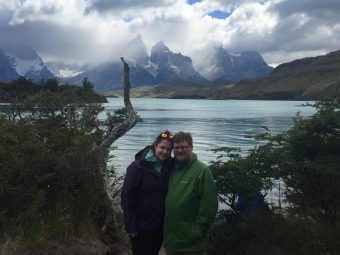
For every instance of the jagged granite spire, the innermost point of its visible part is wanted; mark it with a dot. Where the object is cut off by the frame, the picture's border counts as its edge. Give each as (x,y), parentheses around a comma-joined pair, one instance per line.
(136,51)
(223,66)
(173,66)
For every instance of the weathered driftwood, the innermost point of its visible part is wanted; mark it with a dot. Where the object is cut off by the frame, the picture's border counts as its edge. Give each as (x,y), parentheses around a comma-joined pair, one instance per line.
(104,147)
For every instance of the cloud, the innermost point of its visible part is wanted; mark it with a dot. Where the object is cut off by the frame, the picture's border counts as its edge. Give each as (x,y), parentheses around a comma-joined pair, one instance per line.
(283,30)
(306,28)
(119,5)
(95,30)
(59,30)
(325,9)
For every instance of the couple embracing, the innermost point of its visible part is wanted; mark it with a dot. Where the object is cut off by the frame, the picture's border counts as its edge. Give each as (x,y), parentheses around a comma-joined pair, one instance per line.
(168,200)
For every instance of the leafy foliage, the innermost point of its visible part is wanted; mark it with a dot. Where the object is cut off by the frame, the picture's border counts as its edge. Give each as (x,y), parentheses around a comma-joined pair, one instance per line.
(22,88)
(50,186)
(243,174)
(310,163)
(307,159)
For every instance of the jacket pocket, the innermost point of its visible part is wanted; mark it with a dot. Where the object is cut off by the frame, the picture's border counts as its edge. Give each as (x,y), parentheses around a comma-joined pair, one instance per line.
(196,233)
(190,232)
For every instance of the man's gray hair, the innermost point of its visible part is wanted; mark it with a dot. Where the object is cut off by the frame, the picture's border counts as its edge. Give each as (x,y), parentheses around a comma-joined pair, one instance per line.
(183,136)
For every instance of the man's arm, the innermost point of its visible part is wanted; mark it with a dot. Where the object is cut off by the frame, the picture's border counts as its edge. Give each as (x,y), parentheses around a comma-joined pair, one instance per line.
(207,203)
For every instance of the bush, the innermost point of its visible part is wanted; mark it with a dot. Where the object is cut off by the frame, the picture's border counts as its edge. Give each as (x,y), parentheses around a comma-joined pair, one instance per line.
(307,159)
(50,186)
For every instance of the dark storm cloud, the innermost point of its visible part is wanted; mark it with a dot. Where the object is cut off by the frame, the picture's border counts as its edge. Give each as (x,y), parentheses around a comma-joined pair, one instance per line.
(50,39)
(308,24)
(59,29)
(112,5)
(5,17)
(298,29)
(327,10)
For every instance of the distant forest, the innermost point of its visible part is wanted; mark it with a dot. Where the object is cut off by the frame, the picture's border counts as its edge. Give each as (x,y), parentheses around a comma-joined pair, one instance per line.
(23,88)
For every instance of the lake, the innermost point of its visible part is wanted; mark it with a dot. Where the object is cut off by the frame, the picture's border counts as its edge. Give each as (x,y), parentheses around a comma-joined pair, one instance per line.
(212,123)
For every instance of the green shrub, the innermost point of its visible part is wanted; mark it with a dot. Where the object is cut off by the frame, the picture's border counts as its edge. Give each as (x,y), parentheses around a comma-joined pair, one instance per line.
(50,185)
(307,159)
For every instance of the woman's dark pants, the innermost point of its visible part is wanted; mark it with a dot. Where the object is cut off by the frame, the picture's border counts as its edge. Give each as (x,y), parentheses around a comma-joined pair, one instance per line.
(147,243)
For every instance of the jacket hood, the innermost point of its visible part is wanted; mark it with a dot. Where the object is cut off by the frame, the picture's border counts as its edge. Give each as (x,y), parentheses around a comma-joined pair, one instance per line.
(142,153)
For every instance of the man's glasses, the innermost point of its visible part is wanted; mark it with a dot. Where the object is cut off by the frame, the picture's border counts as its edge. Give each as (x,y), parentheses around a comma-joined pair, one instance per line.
(165,135)
(181,147)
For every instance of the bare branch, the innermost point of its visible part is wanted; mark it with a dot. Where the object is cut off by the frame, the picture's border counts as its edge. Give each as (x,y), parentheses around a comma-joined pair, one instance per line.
(104,148)
(129,122)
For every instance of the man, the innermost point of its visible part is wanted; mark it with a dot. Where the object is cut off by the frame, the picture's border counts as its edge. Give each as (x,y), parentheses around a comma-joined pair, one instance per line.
(191,202)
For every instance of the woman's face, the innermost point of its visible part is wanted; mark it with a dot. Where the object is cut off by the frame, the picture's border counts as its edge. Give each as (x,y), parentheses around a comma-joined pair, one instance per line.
(163,149)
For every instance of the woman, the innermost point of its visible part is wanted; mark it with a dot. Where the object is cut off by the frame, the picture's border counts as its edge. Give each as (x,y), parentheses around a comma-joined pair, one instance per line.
(143,194)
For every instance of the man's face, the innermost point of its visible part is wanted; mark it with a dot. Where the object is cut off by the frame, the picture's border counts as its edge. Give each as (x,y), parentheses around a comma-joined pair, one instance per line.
(182,151)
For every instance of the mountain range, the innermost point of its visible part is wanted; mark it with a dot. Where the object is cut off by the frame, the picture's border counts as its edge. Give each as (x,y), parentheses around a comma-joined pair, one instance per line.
(217,74)
(161,66)
(219,65)
(22,61)
(310,78)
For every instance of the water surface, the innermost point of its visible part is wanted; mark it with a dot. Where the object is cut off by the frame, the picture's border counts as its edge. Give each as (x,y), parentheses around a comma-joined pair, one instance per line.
(212,123)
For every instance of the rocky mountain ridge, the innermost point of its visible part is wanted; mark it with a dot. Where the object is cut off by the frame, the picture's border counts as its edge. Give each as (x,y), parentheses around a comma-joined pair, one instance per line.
(18,61)
(160,67)
(310,78)
(164,66)
(219,65)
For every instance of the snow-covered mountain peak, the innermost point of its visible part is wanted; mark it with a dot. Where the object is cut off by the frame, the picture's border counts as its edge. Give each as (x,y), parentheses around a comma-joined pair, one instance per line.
(222,65)
(63,70)
(159,47)
(22,66)
(24,59)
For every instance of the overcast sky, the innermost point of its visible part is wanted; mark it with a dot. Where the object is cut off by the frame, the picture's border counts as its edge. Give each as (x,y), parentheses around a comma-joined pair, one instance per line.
(95,30)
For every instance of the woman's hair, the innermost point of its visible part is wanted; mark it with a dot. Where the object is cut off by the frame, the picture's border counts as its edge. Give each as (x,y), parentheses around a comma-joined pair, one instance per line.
(166,135)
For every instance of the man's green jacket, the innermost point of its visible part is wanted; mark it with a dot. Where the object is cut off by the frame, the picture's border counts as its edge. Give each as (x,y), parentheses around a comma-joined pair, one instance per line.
(190,206)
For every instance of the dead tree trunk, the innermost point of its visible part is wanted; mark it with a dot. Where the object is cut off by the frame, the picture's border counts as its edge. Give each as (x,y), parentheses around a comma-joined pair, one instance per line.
(104,149)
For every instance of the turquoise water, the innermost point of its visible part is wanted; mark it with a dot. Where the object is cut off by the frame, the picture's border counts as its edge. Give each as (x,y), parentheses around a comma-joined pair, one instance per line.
(212,123)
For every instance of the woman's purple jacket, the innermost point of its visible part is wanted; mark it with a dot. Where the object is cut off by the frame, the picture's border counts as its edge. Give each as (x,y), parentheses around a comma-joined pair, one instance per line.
(143,194)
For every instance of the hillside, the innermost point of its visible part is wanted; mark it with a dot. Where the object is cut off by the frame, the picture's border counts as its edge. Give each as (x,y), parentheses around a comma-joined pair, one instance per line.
(302,79)
(308,78)
(174,89)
